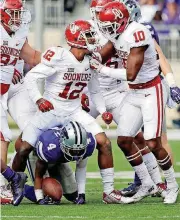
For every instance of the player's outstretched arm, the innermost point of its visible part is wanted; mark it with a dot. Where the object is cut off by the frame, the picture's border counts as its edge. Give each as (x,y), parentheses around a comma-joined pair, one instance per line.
(30,55)
(107,51)
(107,71)
(168,73)
(96,95)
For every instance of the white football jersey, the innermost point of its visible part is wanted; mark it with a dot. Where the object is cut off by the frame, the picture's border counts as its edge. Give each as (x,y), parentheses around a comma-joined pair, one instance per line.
(10,50)
(137,35)
(65,78)
(107,82)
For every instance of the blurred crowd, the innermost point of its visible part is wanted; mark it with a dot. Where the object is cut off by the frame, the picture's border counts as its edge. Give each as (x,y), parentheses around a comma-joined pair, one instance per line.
(161,11)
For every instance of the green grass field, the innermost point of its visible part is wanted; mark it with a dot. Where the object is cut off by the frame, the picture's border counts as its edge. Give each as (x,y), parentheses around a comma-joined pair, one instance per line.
(149,208)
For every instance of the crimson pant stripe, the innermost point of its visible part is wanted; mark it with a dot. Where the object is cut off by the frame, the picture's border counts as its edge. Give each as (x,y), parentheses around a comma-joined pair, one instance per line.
(158,108)
(2,136)
(162,106)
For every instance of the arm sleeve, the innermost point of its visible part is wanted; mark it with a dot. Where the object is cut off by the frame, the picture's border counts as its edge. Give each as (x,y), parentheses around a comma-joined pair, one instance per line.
(41,71)
(96,95)
(114,73)
(46,68)
(80,175)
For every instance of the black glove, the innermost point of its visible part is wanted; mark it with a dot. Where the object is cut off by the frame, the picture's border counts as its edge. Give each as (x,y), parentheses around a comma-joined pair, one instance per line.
(80,199)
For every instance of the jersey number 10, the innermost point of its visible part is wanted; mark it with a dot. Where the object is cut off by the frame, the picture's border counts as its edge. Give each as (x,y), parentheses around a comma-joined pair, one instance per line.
(139,36)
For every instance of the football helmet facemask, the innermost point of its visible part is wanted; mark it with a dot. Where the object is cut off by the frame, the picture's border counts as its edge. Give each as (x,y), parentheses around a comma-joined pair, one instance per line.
(113,19)
(73,141)
(13,14)
(81,34)
(133,9)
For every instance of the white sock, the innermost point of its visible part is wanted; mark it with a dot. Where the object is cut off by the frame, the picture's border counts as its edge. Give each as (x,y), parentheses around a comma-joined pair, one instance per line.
(108,179)
(2,180)
(152,166)
(143,174)
(11,160)
(170,177)
(80,175)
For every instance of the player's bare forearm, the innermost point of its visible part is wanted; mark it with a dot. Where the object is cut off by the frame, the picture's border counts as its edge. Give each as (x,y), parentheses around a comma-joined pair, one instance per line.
(135,61)
(164,64)
(40,170)
(107,51)
(30,55)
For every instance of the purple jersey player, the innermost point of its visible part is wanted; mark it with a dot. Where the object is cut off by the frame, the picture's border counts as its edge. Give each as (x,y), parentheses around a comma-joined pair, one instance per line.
(62,144)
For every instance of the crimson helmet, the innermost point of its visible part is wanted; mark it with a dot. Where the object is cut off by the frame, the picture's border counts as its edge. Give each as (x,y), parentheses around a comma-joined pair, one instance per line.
(113,19)
(81,34)
(13,14)
(97,6)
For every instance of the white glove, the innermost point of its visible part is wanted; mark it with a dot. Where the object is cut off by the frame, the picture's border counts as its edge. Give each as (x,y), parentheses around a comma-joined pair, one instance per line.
(95,65)
(97,56)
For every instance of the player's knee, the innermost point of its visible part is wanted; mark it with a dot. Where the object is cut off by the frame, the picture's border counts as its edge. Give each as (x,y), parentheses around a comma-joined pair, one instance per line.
(71,196)
(104,145)
(154,144)
(18,144)
(24,149)
(139,140)
(124,143)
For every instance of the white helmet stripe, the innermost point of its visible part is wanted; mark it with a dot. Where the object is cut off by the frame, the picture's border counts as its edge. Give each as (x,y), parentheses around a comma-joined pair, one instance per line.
(78,133)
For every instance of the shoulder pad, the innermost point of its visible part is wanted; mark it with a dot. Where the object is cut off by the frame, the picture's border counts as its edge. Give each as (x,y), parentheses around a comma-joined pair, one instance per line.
(52,56)
(47,147)
(138,36)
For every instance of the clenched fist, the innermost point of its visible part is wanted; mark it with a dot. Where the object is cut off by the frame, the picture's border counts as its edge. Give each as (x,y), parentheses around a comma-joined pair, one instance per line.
(107,117)
(17,77)
(44,105)
(85,102)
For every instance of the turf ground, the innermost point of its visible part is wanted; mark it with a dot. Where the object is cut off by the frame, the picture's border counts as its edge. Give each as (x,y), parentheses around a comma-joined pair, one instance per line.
(149,208)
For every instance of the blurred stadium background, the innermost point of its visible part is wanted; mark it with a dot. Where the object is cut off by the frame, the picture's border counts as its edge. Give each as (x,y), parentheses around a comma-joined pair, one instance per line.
(50,17)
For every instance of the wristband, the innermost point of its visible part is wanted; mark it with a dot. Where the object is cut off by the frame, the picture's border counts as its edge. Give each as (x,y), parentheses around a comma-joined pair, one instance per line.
(39,194)
(170,79)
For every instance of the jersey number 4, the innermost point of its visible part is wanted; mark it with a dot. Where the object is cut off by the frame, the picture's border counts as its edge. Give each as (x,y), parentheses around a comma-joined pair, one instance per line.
(73,94)
(139,36)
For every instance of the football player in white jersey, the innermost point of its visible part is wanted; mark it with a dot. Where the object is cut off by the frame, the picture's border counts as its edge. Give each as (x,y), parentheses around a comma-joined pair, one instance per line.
(14,30)
(66,73)
(134,44)
(114,91)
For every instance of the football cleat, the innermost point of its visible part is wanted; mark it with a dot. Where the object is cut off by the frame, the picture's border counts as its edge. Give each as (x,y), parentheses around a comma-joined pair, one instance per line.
(114,197)
(161,190)
(144,191)
(171,195)
(6,196)
(17,186)
(131,190)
